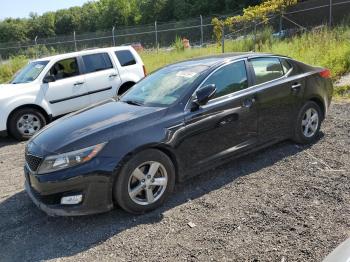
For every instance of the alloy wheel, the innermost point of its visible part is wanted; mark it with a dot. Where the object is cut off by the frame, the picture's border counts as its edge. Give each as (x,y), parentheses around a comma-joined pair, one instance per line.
(310,122)
(147,183)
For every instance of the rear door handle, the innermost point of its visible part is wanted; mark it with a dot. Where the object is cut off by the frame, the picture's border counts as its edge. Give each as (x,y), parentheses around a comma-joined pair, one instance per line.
(296,87)
(78,83)
(249,102)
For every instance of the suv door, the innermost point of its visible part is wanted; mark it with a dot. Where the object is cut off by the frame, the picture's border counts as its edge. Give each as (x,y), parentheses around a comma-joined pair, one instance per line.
(68,93)
(102,78)
(226,124)
(277,95)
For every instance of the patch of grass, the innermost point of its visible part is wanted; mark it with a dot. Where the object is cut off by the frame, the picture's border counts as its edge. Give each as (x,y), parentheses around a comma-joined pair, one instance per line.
(9,68)
(342,91)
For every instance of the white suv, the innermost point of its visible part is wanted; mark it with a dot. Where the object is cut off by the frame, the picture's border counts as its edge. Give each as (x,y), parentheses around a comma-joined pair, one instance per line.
(51,87)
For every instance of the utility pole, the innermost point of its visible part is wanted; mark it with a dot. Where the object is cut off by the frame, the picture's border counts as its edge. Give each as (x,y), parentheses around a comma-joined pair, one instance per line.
(223,40)
(113,35)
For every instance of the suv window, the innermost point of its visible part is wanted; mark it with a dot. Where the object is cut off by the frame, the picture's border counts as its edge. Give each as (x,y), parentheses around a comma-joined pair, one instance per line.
(97,62)
(125,58)
(65,68)
(229,79)
(266,69)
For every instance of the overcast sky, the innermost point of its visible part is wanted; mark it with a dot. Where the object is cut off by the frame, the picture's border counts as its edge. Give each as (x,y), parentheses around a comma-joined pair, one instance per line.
(22,8)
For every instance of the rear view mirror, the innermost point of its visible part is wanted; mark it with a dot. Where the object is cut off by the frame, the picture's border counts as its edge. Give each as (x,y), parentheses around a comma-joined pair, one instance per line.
(204,94)
(49,79)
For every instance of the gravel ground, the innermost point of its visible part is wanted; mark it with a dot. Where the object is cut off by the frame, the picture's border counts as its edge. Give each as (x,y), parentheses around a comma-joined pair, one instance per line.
(343,81)
(285,203)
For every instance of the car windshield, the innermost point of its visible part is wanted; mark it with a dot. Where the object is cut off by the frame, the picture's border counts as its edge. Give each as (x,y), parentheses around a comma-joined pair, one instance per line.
(164,87)
(30,72)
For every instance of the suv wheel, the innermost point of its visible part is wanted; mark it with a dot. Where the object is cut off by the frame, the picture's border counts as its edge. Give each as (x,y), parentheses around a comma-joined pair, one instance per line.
(144,182)
(308,123)
(25,122)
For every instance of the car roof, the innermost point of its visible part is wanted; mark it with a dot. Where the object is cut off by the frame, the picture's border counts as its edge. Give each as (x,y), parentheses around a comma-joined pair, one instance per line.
(215,60)
(84,52)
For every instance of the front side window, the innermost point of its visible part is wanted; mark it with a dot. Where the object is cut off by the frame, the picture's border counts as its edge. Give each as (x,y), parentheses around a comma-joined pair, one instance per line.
(65,68)
(97,62)
(30,72)
(266,69)
(125,57)
(229,79)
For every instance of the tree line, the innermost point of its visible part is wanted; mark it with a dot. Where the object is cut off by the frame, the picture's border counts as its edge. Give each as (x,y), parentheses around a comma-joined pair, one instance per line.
(102,15)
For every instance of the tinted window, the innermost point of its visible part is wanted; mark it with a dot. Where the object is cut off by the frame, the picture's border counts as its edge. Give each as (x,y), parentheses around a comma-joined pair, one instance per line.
(97,62)
(266,69)
(229,79)
(286,66)
(125,58)
(65,68)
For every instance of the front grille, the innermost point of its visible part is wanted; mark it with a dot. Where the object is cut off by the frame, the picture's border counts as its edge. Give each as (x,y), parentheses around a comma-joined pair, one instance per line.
(33,162)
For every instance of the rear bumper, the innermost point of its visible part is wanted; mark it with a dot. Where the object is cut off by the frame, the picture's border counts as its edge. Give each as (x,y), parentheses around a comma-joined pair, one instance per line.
(95,189)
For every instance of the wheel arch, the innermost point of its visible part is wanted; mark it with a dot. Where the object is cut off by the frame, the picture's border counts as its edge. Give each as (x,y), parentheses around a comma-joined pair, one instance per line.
(33,106)
(125,86)
(320,103)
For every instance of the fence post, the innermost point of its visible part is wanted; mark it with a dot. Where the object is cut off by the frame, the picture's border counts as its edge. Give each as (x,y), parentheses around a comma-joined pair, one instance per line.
(113,35)
(201,30)
(255,25)
(223,39)
(75,42)
(156,31)
(36,46)
(330,12)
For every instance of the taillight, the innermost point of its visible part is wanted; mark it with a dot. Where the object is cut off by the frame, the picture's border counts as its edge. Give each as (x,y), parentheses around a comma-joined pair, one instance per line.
(144,70)
(326,73)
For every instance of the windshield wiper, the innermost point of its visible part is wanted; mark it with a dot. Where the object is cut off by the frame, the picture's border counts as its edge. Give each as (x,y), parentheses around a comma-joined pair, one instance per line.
(133,102)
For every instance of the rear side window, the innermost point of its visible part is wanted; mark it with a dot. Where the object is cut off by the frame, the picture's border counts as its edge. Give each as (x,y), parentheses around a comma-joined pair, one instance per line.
(97,62)
(266,69)
(229,79)
(125,57)
(286,65)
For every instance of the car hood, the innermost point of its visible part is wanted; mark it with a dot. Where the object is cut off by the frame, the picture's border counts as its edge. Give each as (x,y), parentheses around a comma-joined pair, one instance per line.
(96,124)
(10,90)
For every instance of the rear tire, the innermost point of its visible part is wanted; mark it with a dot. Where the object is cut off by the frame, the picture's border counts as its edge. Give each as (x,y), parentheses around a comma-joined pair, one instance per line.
(144,182)
(308,123)
(25,122)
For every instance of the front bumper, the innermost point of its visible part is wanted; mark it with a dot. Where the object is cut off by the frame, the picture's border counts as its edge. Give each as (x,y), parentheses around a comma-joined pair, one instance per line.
(96,189)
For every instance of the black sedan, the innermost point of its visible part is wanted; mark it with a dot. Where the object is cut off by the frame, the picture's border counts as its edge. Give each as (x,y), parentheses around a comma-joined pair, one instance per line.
(173,124)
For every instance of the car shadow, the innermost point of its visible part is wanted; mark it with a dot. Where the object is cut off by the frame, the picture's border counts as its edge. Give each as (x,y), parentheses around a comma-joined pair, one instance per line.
(26,233)
(7,141)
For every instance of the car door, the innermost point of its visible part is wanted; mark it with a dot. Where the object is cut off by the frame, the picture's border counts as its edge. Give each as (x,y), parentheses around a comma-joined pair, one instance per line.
(101,76)
(68,92)
(227,124)
(277,95)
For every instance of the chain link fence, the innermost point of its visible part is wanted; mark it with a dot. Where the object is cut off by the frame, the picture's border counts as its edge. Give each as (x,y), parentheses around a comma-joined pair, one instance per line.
(199,31)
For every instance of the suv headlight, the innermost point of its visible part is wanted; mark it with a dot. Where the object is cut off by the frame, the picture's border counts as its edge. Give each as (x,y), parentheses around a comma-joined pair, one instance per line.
(70,159)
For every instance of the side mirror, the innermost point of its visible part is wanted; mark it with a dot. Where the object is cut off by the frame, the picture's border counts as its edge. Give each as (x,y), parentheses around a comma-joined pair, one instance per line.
(49,79)
(205,94)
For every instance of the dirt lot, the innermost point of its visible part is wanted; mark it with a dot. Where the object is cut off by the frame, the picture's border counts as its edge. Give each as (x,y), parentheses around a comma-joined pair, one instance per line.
(285,203)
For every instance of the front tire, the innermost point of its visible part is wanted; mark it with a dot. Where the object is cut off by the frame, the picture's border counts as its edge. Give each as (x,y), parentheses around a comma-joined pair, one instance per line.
(308,123)
(144,182)
(25,122)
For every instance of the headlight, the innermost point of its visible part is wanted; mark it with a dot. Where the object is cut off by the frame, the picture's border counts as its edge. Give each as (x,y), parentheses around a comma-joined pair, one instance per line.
(70,159)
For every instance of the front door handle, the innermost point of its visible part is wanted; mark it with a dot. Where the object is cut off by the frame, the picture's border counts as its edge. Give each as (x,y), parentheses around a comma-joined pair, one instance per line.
(228,119)
(78,83)
(113,75)
(249,102)
(296,87)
